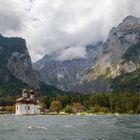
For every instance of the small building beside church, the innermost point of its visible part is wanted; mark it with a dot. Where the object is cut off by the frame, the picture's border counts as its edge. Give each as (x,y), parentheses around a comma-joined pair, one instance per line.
(27,104)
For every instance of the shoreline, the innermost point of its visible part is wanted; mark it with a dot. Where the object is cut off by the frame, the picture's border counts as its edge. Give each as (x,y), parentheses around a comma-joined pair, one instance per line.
(75,114)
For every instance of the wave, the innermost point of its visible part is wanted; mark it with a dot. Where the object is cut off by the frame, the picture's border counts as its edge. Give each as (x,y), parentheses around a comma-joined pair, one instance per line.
(68,125)
(37,127)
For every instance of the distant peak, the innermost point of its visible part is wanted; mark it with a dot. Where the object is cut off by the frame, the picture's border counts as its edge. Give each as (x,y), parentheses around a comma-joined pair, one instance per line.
(1,35)
(130,17)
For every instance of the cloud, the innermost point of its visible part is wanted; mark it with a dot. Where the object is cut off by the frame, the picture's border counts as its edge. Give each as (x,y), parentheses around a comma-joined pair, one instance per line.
(71,53)
(11,17)
(53,25)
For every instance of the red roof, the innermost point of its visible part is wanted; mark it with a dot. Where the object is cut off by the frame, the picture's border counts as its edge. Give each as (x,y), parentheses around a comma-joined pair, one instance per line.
(26,101)
(21,99)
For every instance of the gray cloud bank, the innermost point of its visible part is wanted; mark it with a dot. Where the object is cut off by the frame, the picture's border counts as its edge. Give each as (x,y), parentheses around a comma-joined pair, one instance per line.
(53,25)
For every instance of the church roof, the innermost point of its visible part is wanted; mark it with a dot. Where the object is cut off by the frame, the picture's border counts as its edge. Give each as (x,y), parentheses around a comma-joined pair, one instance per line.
(26,101)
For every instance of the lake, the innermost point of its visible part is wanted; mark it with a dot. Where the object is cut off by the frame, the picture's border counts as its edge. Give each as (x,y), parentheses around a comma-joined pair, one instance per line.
(103,127)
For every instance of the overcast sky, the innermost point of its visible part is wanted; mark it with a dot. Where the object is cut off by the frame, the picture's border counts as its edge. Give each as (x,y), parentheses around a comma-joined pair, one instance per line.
(52,25)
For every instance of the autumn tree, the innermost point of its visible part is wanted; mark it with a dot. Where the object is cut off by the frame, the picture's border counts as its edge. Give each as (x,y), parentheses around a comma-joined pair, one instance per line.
(56,106)
(77,107)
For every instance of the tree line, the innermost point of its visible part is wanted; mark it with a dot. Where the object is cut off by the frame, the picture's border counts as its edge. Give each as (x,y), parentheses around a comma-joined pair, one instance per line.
(91,103)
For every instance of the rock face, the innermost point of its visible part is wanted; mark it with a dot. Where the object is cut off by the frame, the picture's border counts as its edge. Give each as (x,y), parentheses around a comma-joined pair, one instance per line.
(65,74)
(15,62)
(121,54)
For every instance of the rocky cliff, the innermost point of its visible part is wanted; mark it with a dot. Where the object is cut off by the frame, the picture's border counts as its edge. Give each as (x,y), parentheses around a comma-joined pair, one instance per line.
(15,62)
(121,55)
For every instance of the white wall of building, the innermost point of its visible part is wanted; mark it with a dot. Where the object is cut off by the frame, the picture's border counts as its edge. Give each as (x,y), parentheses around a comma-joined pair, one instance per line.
(30,109)
(27,109)
(37,109)
(21,109)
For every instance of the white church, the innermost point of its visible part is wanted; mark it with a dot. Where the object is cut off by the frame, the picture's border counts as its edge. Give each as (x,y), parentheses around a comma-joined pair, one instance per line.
(27,104)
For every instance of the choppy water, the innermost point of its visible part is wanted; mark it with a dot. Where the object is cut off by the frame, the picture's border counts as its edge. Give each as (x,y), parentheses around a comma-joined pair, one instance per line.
(69,127)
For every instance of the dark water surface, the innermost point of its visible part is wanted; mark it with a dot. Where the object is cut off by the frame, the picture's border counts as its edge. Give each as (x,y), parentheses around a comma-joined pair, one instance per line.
(69,127)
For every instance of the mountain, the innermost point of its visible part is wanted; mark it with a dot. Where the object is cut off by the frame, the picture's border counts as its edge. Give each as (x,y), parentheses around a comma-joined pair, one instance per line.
(16,70)
(118,66)
(15,62)
(64,74)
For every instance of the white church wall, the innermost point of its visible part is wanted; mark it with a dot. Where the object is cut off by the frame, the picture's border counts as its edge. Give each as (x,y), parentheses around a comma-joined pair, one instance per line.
(27,109)
(30,109)
(21,109)
(37,109)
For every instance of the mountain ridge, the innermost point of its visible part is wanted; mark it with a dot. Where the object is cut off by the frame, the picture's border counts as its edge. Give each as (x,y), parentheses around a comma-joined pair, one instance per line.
(65,74)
